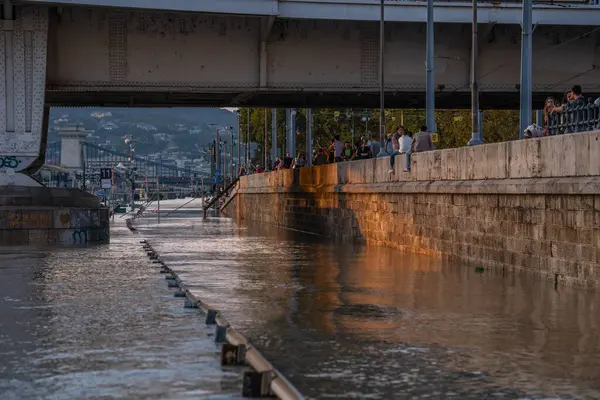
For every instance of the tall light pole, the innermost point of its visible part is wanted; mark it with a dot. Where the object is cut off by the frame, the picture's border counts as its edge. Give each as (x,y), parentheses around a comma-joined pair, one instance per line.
(430,89)
(381,80)
(231,172)
(309,137)
(239,140)
(266,149)
(526,68)
(476,131)
(248,140)
(273,134)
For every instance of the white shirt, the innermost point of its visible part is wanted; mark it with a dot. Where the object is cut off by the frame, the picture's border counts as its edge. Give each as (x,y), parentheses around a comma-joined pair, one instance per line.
(339,148)
(405,144)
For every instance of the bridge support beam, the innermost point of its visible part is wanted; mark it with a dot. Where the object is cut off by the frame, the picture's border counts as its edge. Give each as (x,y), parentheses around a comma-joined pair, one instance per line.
(23,43)
(265,30)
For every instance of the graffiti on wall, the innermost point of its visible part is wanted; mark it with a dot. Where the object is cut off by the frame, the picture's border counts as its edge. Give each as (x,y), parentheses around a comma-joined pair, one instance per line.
(32,220)
(9,162)
(80,236)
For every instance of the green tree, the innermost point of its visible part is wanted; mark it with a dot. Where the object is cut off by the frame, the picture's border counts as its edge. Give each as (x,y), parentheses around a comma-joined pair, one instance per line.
(453,126)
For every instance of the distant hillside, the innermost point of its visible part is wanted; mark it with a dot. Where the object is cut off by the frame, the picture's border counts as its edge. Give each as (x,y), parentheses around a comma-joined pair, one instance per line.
(154,129)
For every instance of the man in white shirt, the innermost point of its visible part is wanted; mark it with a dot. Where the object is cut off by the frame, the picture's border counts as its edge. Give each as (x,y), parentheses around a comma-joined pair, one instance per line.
(404,144)
(338,147)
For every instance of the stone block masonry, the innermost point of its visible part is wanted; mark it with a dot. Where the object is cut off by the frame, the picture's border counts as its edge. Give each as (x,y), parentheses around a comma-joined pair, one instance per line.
(506,206)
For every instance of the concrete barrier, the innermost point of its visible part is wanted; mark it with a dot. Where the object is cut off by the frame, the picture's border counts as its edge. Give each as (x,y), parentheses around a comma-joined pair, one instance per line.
(263,379)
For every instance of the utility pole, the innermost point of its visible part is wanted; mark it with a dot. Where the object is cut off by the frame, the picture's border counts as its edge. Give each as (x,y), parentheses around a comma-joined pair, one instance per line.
(231,155)
(248,141)
(430,89)
(476,133)
(526,68)
(266,154)
(158,198)
(224,163)
(273,134)
(239,158)
(218,158)
(309,138)
(203,191)
(381,80)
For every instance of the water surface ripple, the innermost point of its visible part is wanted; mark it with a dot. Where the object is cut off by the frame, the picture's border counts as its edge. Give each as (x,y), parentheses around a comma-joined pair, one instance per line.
(99,322)
(345,321)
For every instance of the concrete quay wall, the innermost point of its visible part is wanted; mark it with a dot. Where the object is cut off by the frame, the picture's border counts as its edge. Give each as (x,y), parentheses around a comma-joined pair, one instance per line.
(41,215)
(532,205)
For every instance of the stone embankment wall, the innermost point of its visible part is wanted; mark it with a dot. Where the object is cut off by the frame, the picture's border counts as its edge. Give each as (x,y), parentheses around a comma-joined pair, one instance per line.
(532,205)
(48,216)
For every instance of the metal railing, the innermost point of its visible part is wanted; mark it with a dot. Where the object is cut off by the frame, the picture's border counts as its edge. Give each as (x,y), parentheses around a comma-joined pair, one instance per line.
(576,118)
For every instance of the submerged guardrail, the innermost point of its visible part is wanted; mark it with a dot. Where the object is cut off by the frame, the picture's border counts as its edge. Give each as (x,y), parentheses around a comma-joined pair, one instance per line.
(262,379)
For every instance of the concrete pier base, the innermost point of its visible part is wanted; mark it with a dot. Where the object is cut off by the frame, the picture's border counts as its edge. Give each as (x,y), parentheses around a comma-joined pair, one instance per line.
(40,215)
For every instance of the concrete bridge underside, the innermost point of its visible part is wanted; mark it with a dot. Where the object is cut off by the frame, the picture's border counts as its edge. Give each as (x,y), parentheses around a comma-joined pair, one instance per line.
(84,56)
(101,56)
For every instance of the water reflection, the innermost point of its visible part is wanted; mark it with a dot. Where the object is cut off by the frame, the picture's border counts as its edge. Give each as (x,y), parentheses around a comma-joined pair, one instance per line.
(346,321)
(98,322)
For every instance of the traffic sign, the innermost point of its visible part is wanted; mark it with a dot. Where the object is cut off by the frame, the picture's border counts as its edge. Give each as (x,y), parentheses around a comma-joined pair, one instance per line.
(106,175)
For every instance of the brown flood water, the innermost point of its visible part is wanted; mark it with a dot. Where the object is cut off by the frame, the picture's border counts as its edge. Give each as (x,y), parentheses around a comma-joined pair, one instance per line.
(346,321)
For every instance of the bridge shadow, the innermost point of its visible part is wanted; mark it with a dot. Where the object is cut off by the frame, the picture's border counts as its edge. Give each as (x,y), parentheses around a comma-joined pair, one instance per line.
(321,212)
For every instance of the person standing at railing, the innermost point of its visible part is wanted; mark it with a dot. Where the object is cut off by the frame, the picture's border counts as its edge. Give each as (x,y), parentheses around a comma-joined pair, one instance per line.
(337,147)
(421,142)
(320,158)
(575,103)
(287,160)
(574,99)
(299,161)
(397,141)
(548,109)
(363,151)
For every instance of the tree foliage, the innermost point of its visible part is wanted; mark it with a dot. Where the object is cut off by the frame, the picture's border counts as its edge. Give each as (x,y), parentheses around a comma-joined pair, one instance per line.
(453,126)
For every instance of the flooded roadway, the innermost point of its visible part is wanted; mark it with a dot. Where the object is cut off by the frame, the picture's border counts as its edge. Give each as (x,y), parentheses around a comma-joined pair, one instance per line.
(98,322)
(338,321)
(353,322)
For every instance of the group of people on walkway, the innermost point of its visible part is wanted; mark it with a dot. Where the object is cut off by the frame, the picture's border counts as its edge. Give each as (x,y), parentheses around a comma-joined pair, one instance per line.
(401,141)
(573,99)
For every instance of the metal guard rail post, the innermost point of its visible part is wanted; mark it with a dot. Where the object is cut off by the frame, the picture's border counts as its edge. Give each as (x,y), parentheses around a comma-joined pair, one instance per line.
(218,196)
(263,380)
(574,119)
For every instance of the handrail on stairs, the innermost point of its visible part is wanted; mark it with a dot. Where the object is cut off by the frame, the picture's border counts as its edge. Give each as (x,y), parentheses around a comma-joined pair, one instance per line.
(218,196)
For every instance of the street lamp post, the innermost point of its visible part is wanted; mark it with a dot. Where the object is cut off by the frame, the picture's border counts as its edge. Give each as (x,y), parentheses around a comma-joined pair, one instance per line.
(239,137)
(266,154)
(248,140)
(231,154)
(381,79)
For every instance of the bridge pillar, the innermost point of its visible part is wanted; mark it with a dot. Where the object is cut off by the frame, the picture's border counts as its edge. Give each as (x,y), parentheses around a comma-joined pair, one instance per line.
(71,146)
(23,115)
